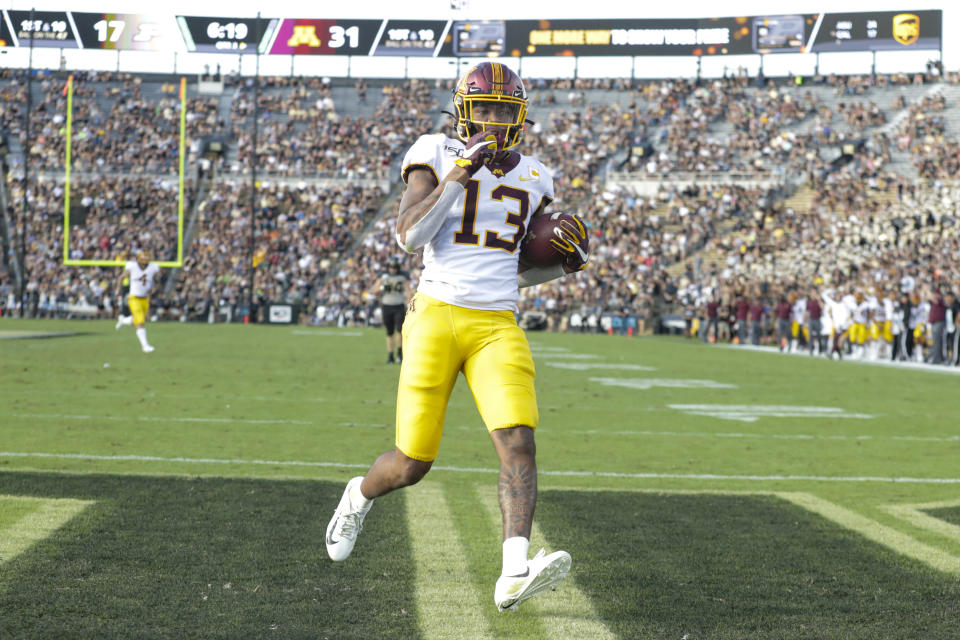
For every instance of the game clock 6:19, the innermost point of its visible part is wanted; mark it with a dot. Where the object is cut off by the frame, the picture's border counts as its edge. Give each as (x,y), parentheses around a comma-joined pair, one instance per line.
(227,31)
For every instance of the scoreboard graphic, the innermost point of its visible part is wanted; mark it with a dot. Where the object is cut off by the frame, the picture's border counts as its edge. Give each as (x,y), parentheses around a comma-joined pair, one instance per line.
(763,34)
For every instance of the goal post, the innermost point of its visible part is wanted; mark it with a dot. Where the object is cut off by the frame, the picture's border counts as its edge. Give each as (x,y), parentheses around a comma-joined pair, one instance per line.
(181,156)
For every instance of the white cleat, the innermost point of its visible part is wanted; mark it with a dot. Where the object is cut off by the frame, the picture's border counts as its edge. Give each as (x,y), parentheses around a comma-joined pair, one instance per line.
(345,525)
(119,323)
(543,572)
(148,349)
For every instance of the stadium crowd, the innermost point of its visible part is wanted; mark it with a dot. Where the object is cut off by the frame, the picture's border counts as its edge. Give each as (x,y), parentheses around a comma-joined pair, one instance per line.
(864,228)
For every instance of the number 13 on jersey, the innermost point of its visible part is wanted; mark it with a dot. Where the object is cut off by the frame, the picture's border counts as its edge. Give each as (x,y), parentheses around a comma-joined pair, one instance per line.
(492,240)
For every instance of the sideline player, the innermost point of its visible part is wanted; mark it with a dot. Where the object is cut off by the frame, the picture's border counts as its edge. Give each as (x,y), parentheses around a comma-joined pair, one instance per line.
(393,306)
(143,276)
(467,203)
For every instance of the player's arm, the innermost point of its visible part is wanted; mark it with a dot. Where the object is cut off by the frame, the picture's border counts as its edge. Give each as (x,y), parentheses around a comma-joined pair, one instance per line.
(123,276)
(425,204)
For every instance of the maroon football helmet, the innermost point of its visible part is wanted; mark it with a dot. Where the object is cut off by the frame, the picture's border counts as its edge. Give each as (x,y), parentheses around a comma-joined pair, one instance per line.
(501,91)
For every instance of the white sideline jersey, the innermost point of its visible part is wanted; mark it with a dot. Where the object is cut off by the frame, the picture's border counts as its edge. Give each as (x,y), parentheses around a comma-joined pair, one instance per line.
(799,311)
(839,314)
(142,280)
(472,261)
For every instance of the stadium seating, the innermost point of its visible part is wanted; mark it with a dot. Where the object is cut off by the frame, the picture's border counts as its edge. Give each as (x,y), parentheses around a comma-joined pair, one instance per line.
(689,188)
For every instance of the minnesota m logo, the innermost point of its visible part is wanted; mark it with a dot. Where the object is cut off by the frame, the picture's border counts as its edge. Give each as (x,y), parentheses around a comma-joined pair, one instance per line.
(304,34)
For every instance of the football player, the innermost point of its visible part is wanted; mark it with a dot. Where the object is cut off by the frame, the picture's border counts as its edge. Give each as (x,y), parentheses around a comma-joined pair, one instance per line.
(393,302)
(142,275)
(467,203)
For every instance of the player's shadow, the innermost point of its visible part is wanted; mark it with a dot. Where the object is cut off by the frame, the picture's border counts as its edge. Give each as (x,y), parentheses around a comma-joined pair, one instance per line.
(715,566)
(205,557)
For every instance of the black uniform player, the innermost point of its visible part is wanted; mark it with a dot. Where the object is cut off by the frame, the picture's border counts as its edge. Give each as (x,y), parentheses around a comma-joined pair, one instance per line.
(393,301)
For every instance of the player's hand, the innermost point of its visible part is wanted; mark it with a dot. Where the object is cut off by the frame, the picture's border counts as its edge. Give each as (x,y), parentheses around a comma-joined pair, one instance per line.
(570,239)
(482,148)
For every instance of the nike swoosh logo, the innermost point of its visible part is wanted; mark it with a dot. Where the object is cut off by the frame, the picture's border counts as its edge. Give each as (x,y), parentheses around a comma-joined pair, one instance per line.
(469,152)
(557,232)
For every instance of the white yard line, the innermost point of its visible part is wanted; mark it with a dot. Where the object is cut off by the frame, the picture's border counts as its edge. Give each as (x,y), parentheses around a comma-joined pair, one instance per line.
(136,395)
(608,432)
(873,530)
(916,366)
(449,605)
(566,613)
(52,514)
(915,515)
(771,436)
(80,416)
(557,473)
(329,333)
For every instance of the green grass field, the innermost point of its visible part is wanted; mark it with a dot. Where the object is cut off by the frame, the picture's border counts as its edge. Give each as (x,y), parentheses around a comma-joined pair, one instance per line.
(703,492)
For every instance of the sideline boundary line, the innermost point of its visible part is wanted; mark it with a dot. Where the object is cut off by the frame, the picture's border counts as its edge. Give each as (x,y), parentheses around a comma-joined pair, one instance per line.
(614,432)
(544,472)
(899,364)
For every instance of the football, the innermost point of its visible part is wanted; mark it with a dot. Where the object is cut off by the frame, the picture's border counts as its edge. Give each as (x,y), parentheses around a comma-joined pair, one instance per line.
(536,249)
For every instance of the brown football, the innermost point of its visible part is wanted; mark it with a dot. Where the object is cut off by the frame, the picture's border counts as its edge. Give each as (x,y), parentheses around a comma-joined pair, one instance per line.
(536,249)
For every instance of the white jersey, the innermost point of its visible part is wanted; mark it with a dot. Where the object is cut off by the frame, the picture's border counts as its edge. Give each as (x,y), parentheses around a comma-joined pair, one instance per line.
(861,312)
(799,311)
(142,280)
(839,314)
(887,310)
(472,261)
(919,313)
(850,302)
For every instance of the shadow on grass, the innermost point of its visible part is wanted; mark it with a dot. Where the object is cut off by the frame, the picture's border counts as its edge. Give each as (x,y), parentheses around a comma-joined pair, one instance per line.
(210,558)
(951,515)
(697,567)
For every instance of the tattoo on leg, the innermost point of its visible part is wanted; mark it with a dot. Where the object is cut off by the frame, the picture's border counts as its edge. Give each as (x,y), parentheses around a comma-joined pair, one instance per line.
(518,496)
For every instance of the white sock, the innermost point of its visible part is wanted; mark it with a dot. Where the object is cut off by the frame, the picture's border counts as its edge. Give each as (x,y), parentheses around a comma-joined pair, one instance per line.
(515,551)
(142,337)
(357,497)
(125,320)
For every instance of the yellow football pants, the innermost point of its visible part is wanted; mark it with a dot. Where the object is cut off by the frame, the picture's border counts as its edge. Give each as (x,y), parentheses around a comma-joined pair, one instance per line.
(439,341)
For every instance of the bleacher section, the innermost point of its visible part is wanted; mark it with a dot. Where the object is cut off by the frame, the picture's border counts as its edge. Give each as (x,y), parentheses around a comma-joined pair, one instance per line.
(689,188)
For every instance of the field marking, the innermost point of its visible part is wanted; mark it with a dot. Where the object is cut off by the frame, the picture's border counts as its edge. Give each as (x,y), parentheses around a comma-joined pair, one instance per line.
(671,383)
(901,543)
(916,366)
(879,533)
(565,613)
(752,413)
(557,473)
(449,606)
(322,332)
(80,416)
(152,395)
(770,436)
(915,515)
(52,514)
(568,356)
(382,425)
(584,366)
